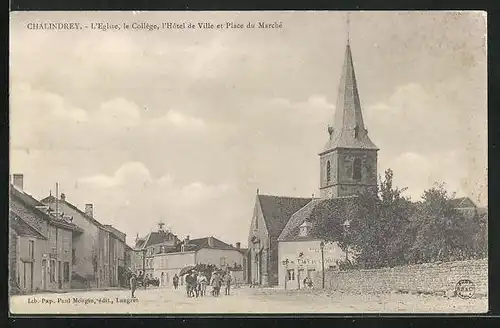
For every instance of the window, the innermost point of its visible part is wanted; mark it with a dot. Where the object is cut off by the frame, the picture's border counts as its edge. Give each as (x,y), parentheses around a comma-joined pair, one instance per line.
(328,170)
(52,270)
(222,261)
(66,272)
(304,228)
(31,249)
(356,169)
(291,274)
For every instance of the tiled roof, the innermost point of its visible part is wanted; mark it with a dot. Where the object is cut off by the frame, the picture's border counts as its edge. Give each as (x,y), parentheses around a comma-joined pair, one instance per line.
(348,114)
(277,211)
(462,202)
(200,243)
(30,203)
(52,199)
(298,218)
(330,210)
(157,237)
(22,227)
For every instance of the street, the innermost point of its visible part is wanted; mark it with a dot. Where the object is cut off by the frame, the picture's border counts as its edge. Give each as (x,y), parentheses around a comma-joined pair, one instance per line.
(242,300)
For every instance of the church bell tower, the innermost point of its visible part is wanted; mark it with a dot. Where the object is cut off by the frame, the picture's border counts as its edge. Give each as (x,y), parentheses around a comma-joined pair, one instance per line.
(348,162)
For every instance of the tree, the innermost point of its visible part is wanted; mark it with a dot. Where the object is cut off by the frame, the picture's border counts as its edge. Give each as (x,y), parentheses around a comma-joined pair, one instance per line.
(441,232)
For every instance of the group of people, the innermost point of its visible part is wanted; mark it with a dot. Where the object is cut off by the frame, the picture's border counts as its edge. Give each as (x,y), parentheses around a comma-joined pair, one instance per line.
(196,283)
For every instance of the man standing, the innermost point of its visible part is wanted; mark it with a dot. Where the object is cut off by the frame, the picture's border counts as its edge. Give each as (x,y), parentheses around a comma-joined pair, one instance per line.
(176,281)
(216,282)
(227,281)
(133,284)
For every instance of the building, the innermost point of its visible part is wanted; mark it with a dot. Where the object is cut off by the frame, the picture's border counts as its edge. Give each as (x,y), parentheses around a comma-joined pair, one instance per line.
(271,213)
(283,245)
(155,242)
(98,252)
(208,250)
(40,243)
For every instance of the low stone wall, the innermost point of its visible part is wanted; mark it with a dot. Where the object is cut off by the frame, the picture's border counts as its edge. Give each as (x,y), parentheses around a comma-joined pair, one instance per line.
(432,278)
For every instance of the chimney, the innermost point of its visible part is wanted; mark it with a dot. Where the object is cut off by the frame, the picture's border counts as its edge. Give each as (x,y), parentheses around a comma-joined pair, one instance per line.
(18,181)
(210,241)
(63,197)
(89,210)
(238,245)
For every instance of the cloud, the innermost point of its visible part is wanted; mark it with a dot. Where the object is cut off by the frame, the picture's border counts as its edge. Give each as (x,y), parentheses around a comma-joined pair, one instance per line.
(134,173)
(182,120)
(118,112)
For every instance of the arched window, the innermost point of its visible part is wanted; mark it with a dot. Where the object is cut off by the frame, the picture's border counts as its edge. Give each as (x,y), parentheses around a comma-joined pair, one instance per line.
(356,169)
(328,174)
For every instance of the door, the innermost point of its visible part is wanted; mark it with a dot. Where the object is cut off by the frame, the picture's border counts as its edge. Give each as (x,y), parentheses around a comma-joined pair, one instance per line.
(300,277)
(59,274)
(44,274)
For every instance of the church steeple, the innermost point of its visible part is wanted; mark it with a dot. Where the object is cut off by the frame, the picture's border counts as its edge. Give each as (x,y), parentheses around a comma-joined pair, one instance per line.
(348,129)
(349,159)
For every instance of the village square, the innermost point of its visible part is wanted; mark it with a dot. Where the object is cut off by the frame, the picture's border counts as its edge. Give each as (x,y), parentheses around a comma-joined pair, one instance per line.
(356,245)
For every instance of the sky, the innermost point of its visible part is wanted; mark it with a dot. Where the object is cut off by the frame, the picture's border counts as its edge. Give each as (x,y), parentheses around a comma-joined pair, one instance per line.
(183,126)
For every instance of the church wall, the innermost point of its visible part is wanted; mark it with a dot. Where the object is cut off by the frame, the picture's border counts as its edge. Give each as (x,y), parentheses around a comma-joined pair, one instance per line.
(258,240)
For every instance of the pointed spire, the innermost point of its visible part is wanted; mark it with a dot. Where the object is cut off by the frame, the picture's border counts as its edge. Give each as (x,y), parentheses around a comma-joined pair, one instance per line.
(348,130)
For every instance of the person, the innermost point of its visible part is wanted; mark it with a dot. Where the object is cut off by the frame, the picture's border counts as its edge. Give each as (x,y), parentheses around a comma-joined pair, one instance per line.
(189,283)
(227,282)
(216,282)
(196,288)
(133,284)
(176,281)
(202,282)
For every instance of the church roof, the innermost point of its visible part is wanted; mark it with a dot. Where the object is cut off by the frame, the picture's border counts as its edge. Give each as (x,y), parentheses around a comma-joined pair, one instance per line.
(297,219)
(348,130)
(277,210)
(334,211)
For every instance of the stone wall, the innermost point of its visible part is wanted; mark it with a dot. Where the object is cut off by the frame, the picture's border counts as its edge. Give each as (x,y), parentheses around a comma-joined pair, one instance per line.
(433,278)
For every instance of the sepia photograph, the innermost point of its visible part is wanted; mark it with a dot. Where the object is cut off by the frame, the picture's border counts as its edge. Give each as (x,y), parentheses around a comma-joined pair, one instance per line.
(288,162)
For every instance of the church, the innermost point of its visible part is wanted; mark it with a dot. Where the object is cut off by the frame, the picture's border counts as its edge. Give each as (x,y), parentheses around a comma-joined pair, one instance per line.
(282,246)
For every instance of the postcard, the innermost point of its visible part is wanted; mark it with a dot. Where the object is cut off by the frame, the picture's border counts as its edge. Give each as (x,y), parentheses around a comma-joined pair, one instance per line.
(248,162)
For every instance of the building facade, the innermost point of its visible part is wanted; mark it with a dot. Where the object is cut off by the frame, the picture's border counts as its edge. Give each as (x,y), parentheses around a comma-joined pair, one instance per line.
(208,250)
(41,243)
(96,251)
(271,213)
(283,244)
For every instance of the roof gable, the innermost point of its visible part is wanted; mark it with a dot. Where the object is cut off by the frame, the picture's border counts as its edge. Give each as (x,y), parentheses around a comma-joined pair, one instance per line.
(297,219)
(22,227)
(51,199)
(462,202)
(331,210)
(30,203)
(277,210)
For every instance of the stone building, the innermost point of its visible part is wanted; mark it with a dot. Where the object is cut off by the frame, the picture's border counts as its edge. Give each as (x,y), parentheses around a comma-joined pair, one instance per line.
(96,252)
(271,213)
(348,166)
(40,243)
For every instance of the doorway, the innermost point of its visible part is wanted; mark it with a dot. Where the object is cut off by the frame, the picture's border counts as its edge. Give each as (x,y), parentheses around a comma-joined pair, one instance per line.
(44,274)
